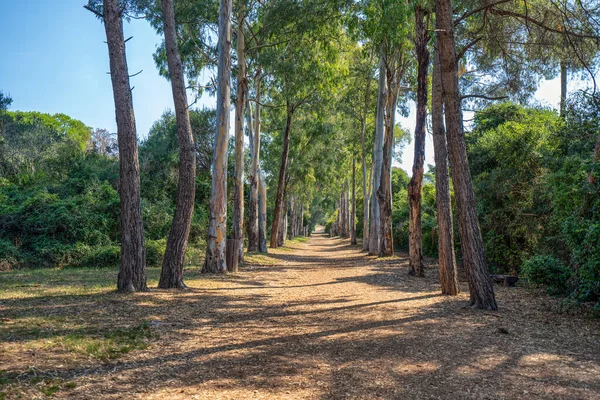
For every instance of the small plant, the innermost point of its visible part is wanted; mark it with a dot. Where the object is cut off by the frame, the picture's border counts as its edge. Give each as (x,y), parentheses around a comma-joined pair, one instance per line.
(549,272)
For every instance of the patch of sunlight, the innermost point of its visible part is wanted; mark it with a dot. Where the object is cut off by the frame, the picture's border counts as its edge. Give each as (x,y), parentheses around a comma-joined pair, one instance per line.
(413,368)
(532,360)
(483,363)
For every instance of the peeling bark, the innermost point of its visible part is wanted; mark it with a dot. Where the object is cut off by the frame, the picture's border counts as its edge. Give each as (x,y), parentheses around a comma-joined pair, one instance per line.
(215,261)
(240,101)
(415,236)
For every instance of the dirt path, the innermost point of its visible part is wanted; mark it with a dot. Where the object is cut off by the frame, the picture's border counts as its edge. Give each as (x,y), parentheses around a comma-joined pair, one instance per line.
(324,321)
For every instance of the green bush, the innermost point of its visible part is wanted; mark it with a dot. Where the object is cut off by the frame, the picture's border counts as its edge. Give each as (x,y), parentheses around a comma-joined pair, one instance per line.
(9,255)
(155,250)
(547,271)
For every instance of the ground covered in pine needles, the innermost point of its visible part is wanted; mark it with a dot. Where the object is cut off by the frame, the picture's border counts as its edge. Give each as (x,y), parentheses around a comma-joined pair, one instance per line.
(314,320)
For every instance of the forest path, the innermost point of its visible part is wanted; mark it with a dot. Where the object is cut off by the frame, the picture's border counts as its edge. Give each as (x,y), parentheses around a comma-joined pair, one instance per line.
(322,320)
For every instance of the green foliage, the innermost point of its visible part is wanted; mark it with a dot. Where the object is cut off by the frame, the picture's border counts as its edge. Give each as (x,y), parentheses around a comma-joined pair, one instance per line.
(59,203)
(547,271)
(538,211)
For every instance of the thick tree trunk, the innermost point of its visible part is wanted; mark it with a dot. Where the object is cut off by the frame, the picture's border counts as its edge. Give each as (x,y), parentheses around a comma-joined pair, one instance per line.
(215,261)
(480,284)
(172,267)
(353,213)
(446,257)
(415,236)
(132,272)
(281,182)
(563,87)
(240,101)
(262,214)
(374,226)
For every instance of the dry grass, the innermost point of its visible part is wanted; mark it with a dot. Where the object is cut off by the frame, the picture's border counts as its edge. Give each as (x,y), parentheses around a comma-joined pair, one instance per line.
(315,320)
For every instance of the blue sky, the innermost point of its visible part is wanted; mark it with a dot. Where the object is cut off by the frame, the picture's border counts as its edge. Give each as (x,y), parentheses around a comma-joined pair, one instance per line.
(53,59)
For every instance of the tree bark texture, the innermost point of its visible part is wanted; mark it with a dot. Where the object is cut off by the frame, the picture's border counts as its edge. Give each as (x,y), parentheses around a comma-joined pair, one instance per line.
(563,87)
(132,272)
(374,226)
(281,182)
(215,261)
(353,212)
(363,129)
(480,284)
(446,256)
(240,102)
(253,179)
(415,236)
(394,71)
(262,214)
(172,267)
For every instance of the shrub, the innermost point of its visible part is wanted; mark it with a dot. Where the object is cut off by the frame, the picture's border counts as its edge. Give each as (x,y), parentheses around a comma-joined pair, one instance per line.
(547,271)
(155,250)
(9,255)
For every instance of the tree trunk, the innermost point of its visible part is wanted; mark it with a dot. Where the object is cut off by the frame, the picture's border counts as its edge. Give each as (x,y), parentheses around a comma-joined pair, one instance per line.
(253,180)
(281,183)
(343,221)
(215,261)
(282,226)
(132,272)
(353,213)
(302,220)
(172,266)
(563,87)
(415,236)
(262,214)
(363,129)
(480,284)
(384,192)
(446,257)
(240,101)
(374,226)
(292,231)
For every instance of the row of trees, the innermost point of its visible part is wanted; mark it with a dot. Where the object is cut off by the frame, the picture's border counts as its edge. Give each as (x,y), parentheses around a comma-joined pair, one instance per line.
(323,81)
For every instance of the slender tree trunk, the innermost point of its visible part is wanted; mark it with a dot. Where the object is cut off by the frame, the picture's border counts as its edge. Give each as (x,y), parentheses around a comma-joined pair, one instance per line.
(281,183)
(301,221)
(415,236)
(215,261)
(132,272)
(253,207)
(446,257)
(282,226)
(172,267)
(292,218)
(563,87)
(343,220)
(363,129)
(262,214)
(480,284)
(384,193)
(240,101)
(374,227)
(353,213)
